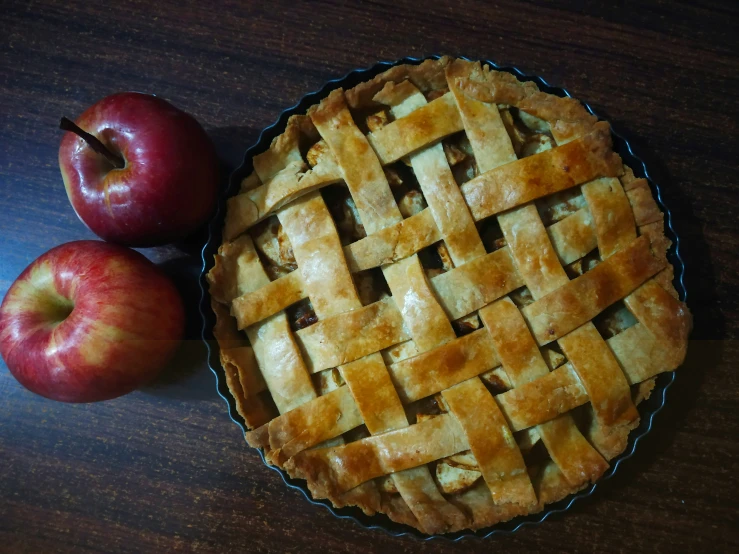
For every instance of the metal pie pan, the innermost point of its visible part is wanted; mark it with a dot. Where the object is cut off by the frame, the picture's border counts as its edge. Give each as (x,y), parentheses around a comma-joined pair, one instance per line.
(647,409)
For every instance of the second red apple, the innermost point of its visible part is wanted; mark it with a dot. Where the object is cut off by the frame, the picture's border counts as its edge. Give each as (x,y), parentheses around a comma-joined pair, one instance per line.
(89,321)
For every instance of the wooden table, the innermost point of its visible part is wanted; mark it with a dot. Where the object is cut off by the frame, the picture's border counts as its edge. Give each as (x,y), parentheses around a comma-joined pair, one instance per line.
(163,469)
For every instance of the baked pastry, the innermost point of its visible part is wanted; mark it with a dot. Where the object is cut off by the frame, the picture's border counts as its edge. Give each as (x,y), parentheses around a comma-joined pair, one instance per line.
(440,296)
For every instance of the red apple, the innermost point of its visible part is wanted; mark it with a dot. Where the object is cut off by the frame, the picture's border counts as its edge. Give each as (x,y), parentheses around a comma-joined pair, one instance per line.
(147,175)
(89,321)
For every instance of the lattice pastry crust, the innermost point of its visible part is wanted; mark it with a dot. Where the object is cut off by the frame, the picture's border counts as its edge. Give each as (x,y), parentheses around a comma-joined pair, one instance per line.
(440,296)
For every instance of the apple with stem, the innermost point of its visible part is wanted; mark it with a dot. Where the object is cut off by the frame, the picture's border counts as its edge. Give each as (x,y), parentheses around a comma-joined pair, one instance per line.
(138,171)
(89,321)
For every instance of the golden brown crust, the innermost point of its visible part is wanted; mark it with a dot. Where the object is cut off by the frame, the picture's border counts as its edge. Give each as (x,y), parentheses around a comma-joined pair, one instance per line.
(427,76)
(393,243)
(306,426)
(341,339)
(335,470)
(252,307)
(243,377)
(642,203)
(534,255)
(444,366)
(435,178)
(581,299)
(424,317)
(371,374)
(612,215)
(574,163)
(601,376)
(574,236)
(491,442)
(471,286)
(435,120)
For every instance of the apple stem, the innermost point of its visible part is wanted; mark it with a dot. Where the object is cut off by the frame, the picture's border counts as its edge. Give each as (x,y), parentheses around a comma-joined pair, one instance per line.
(93,142)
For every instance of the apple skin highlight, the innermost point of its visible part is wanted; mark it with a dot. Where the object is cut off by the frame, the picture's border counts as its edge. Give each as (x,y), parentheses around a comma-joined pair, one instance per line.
(168,186)
(89,321)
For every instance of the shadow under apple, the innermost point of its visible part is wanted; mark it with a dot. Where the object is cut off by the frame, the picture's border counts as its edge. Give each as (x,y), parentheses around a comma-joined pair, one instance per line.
(187,375)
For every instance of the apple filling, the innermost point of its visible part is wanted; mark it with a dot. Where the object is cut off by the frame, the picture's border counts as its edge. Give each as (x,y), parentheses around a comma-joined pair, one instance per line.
(529,134)
(276,254)
(274,248)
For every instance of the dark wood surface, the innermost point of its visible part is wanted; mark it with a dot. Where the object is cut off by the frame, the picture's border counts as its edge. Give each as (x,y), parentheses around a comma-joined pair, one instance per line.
(164,469)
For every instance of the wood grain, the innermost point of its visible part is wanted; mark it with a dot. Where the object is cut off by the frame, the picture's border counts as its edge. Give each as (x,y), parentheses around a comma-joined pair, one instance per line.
(163,469)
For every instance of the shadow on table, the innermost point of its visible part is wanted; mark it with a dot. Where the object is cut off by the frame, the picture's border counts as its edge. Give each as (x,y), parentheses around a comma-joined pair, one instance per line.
(187,375)
(231,143)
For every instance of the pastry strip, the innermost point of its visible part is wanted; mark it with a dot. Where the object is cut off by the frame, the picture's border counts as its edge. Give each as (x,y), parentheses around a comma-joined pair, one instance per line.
(367,378)
(280,362)
(491,442)
(467,288)
(560,168)
(423,316)
(540,268)
(346,337)
(311,423)
(393,243)
(574,236)
(612,215)
(523,363)
(331,471)
(431,122)
(357,162)
(435,178)
(581,299)
(543,399)
(444,366)
(268,300)
(319,255)
(530,246)
(600,374)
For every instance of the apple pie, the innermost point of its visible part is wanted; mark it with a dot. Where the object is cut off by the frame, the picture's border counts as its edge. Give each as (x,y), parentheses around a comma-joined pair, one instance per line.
(441,295)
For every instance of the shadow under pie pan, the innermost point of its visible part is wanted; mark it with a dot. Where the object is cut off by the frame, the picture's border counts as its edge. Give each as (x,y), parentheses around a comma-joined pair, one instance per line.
(647,409)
